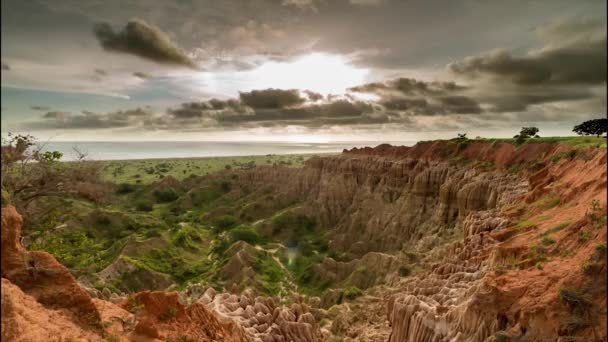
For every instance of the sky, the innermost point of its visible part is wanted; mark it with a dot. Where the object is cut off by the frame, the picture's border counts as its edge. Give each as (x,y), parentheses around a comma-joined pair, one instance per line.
(300,70)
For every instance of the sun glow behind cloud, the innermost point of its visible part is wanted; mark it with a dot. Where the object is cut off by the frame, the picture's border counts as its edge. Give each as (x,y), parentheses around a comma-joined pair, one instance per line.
(318,72)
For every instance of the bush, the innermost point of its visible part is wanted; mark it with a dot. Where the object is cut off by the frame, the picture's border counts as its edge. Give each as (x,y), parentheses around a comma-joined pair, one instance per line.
(224,222)
(125,188)
(144,206)
(298,224)
(352,292)
(166,195)
(583,236)
(404,271)
(244,233)
(574,299)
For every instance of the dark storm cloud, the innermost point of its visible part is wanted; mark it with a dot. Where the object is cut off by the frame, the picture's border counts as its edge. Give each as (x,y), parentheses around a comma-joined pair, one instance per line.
(271,98)
(408,86)
(101,72)
(584,64)
(190,110)
(144,40)
(313,96)
(41,108)
(5,66)
(270,108)
(415,97)
(573,53)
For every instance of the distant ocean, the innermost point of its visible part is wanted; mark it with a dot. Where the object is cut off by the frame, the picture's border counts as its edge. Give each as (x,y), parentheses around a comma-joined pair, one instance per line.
(197,149)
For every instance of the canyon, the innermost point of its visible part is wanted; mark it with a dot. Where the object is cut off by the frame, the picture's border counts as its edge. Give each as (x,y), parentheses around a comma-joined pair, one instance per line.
(458,240)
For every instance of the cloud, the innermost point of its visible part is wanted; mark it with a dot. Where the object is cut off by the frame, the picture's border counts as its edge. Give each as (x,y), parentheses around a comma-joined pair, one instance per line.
(144,40)
(271,98)
(414,97)
(41,108)
(56,115)
(101,72)
(5,66)
(141,75)
(313,96)
(574,53)
(90,120)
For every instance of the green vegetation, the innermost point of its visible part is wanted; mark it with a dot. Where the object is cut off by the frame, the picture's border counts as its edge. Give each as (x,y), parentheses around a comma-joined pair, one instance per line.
(557,228)
(514,168)
(574,299)
(244,233)
(404,271)
(547,241)
(595,127)
(583,236)
(166,195)
(580,142)
(168,314)
(549,201)
(145,171)
(352,292)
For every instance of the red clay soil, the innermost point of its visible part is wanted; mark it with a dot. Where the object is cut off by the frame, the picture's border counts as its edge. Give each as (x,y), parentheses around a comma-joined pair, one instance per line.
(561,196)
(39,275)
(162,316)
(499,153)
(41,301)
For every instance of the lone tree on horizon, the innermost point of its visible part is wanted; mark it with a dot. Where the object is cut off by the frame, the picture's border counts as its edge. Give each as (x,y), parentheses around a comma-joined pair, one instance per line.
(592,127)
(525,133)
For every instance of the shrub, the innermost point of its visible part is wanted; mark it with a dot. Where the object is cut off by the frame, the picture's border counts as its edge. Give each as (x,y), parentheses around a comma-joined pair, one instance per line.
(166,195)
(547,241)
(601,248)
(224,222)
(583,236)
(463,145)
(133,304)
(567,252)
(514,168)
(244,233)
(225,186)
(574,299)
(557,228)
(352,292)
(125,188)
(404,271)
(168,314)
(550,200)
(296,223)
(143,206)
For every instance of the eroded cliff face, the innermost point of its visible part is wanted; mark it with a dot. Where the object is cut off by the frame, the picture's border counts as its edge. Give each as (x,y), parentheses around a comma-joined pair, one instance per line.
(41,297)
(375,203)
(507,234)
(500,242)
(527,277)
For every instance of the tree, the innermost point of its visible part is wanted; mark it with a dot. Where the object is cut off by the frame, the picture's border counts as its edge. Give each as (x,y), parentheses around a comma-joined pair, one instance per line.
(462,136)
(30,174)
(525,133)
(529,132)
(592,127)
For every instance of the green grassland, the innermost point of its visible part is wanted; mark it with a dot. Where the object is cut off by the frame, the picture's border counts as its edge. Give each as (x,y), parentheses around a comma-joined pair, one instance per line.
(145,171)
(186,233)
(582,142)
